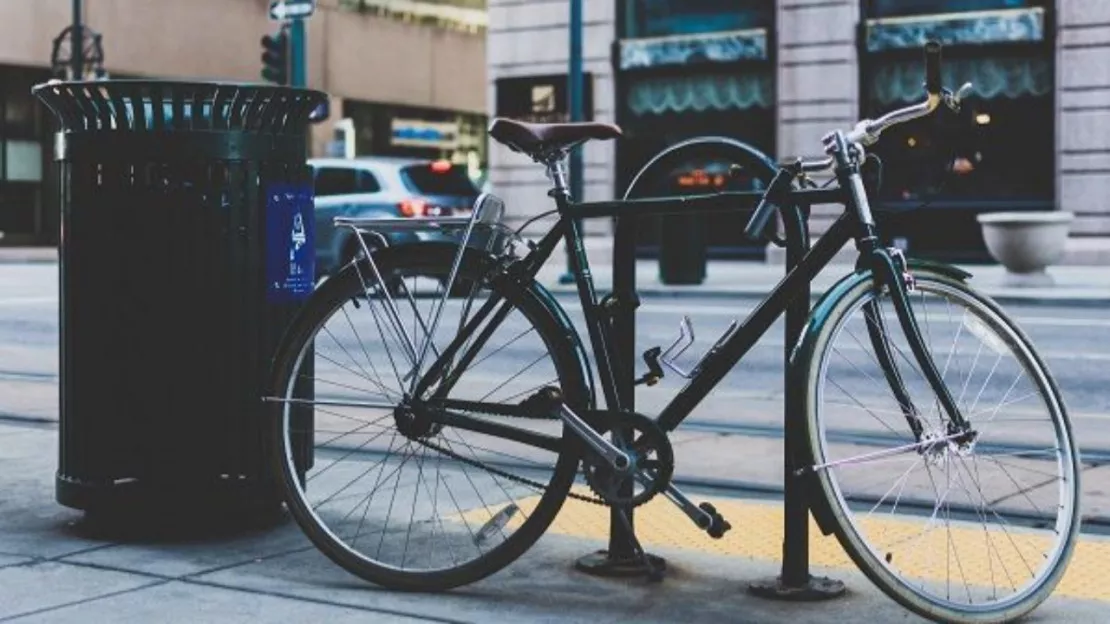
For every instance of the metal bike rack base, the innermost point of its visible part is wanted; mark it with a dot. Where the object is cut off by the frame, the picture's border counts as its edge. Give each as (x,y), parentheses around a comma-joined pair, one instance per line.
(602,563)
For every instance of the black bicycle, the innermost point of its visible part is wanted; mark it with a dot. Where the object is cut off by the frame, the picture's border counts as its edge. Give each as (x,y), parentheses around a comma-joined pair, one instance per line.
(429,432)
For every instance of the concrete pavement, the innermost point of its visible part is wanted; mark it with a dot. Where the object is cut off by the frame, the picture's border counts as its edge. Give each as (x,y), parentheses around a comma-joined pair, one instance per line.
(56,567)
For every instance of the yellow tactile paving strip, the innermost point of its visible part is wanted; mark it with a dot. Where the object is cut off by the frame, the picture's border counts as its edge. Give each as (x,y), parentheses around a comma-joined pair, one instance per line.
(757,534)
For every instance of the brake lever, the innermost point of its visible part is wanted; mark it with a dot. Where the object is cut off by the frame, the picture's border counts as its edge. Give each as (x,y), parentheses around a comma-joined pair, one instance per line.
(952,100)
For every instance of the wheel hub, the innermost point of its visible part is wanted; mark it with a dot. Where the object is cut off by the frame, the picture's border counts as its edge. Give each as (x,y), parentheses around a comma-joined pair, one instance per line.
(938,445)
(415,423)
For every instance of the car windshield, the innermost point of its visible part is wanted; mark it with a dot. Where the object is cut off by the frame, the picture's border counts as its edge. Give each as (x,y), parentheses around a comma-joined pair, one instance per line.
(439,178)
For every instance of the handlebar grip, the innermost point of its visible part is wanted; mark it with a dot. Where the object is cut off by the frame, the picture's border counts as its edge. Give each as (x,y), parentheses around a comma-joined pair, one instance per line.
(932,67)
(760,218)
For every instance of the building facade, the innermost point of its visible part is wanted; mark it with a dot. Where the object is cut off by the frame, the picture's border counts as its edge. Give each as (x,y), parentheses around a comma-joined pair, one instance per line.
(779,74)
(410,81)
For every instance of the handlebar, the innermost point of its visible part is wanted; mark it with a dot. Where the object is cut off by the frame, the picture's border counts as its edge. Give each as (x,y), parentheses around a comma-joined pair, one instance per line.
(932,68)
(866,132)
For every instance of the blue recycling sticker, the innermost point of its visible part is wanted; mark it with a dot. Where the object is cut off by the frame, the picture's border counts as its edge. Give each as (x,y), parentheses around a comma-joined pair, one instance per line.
(290,242)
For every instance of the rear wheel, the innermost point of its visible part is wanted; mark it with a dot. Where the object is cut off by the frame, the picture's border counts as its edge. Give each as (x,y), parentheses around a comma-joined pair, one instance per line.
(390,496)
(958,531)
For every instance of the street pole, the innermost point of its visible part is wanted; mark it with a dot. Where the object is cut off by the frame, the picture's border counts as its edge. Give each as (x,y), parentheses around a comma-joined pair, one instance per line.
(297,73)
(574,95)
(77,58)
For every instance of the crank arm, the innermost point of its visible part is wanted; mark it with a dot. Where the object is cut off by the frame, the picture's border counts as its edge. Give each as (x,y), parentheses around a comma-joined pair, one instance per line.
(616,458)
(702,519)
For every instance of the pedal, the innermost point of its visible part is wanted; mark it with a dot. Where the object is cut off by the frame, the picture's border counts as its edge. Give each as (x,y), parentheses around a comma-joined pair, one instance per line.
(718,526)
(655,371)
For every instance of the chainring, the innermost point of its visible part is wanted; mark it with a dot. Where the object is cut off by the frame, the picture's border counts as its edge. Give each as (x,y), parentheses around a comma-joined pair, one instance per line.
(652,457)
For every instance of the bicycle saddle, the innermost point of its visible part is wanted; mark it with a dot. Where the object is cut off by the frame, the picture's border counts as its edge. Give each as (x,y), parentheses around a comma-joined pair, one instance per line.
(537,139)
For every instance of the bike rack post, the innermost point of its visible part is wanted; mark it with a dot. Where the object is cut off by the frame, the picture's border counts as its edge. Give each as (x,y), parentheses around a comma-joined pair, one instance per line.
(620,559)
(794,583)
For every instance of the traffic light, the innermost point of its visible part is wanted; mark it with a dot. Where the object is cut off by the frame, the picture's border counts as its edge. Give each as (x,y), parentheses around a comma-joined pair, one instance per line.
(275,57)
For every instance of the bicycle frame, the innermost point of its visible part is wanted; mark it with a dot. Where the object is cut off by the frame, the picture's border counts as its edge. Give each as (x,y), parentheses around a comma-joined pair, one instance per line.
(727,352)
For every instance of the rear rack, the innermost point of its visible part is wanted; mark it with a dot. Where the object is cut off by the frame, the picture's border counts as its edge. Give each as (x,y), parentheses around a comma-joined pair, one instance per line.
(485,220)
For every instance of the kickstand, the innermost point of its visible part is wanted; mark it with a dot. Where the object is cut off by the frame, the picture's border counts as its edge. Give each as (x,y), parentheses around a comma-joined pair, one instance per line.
(654,572)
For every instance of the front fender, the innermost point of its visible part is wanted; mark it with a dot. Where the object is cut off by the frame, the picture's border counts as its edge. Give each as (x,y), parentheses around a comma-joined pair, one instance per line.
(819,314)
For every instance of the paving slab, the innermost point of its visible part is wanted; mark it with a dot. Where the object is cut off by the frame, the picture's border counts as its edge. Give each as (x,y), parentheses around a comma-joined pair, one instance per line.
(543,586)
(13,560)
(186,603)
(32,524)
(196,554)
(27,589)
(276,575)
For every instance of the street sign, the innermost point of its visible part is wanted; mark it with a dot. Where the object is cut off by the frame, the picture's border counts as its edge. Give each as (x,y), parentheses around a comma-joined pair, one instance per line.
(281,10)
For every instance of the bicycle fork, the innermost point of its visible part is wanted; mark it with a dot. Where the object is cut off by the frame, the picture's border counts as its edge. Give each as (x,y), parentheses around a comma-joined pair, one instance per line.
(890,271)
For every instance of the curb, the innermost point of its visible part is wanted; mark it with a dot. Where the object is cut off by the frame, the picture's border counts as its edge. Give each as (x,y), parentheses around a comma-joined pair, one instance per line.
(1007,297)
(1004,296)
(10,257)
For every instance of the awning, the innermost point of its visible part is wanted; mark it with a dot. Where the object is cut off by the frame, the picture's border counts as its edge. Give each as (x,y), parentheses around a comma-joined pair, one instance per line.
(965,28)
(699,93)
(722,47)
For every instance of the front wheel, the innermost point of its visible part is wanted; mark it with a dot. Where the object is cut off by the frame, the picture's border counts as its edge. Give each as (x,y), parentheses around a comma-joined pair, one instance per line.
(953,530)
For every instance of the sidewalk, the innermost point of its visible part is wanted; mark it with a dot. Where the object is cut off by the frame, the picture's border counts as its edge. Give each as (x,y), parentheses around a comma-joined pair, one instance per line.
(54,567)
(1075,284)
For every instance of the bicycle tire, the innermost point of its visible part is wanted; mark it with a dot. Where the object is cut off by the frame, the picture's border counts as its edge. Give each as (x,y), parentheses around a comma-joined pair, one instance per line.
(347,284)
(813,351)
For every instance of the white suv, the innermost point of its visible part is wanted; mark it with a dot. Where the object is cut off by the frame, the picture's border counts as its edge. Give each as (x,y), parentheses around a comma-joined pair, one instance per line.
(384,187)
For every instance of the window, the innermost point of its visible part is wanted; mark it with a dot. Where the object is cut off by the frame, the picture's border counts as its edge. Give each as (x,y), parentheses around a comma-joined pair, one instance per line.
(429,180)
(367,183)
(22,161)
(656,18)
(335,181)
(1001,48)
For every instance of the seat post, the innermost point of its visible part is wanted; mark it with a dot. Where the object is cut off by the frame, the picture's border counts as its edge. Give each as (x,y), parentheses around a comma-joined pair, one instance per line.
(555,163)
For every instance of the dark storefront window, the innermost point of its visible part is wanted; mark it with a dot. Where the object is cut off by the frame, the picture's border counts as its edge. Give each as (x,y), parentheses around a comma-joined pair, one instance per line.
(24,161)
(711,74)
(939,173)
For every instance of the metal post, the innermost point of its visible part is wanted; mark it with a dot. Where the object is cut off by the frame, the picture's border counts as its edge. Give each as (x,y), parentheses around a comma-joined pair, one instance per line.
(794,582)
(620,558)
(574,105)
(297,70)
(77,57)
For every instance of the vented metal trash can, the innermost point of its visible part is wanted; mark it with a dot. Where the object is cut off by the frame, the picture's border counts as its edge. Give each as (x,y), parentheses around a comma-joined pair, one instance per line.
(187,244)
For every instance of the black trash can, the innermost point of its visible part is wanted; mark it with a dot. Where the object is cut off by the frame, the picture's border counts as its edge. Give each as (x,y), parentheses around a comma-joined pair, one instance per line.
(187,244)
(682,253)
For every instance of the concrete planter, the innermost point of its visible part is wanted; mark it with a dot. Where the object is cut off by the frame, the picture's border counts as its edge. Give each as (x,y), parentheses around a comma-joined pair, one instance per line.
(1026,243)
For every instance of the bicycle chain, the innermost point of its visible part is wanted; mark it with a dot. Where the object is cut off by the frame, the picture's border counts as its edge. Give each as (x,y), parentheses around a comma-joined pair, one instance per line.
(518,479)
(582,497)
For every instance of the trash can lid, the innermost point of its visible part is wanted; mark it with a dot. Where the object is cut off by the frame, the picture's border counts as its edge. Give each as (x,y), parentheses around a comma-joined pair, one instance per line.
(160,105)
